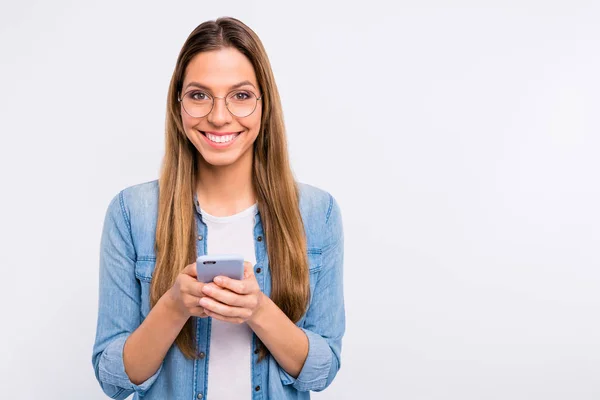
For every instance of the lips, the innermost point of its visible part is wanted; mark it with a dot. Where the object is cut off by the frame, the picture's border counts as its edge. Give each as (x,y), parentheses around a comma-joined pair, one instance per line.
(219,133)
(220,138)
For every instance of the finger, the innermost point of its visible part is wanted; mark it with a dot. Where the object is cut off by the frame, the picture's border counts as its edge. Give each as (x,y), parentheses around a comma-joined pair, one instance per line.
(215,306)
(233,320)
(235,285)
(190,270)
(194,288)
(198,312)
(248,269)
(244,286)
(225,296)
(191,301)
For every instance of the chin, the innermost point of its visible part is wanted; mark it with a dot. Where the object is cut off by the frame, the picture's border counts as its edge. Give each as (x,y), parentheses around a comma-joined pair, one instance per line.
(220,160)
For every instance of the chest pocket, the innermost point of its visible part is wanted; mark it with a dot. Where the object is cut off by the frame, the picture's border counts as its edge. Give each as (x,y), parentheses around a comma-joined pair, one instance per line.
(144,267)
(314,261)
(315,264)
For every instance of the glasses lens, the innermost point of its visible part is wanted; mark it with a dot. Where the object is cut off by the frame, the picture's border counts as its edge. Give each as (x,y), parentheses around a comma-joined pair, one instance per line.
(197,103)
(241,103)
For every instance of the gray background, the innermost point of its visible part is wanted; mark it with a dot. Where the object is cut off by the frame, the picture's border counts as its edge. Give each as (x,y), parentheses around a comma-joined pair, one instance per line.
(460,139)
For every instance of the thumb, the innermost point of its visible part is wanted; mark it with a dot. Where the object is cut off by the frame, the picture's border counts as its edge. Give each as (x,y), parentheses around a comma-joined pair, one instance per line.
(190,270)
(248,269)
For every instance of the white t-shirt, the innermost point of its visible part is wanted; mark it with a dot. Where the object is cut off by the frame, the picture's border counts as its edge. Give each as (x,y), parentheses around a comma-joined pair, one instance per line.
(229,362)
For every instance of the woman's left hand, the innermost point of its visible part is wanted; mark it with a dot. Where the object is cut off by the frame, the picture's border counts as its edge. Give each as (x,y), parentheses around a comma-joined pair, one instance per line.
(233,300)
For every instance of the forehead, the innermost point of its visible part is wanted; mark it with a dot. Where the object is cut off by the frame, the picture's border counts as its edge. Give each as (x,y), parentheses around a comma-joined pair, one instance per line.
(219,69)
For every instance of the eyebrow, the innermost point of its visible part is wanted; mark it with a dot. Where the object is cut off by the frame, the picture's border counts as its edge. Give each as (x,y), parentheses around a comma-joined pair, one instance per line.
(237,85)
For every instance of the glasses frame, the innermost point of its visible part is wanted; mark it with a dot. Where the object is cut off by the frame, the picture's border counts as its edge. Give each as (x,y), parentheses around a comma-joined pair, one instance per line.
(258,98)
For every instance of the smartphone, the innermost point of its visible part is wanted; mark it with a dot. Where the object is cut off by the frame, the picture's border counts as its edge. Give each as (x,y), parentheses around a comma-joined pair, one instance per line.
(210,266)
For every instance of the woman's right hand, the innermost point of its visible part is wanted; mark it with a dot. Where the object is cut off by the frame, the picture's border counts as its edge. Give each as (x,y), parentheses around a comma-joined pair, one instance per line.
(186,292)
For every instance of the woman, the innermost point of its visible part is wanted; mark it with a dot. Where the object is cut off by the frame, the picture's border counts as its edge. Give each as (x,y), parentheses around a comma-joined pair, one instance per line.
(225,187)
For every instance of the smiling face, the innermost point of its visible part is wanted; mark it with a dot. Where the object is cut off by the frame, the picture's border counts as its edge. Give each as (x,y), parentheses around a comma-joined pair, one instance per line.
(221,138)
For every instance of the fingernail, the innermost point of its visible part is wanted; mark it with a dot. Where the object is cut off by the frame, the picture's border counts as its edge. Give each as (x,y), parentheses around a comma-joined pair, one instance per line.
(218,279)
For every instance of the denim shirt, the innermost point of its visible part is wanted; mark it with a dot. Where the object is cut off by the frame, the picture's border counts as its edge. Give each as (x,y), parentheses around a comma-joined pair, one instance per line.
(127,260)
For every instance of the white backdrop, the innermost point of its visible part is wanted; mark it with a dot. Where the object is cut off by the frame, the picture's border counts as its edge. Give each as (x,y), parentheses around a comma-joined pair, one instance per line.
(461,142)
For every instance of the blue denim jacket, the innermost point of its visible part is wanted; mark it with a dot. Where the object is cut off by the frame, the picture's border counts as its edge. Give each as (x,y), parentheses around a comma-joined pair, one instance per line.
(127,261)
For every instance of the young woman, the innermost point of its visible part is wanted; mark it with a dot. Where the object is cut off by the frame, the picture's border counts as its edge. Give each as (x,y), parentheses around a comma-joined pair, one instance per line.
(225,187)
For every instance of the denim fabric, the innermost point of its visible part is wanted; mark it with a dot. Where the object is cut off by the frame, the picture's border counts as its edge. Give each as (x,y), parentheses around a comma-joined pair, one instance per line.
(127,260)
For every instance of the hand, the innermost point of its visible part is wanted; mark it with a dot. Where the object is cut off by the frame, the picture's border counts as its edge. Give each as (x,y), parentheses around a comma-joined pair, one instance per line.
(185,294)
(233,300)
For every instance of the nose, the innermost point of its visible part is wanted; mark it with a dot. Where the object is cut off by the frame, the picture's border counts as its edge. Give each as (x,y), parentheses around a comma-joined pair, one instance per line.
(219,115)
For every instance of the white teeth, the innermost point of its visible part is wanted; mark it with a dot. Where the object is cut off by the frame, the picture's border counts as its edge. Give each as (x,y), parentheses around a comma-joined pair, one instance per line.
(221,139)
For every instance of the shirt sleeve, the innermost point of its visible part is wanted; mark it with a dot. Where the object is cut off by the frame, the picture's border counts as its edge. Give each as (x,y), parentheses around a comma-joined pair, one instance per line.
(325,320)
(119,311)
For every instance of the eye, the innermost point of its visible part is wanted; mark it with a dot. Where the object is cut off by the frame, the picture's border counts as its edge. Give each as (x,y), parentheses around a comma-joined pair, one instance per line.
(198,96)
(241,95)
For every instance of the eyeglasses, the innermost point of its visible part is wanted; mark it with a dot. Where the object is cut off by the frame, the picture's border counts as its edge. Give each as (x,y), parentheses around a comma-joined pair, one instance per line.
(198,104)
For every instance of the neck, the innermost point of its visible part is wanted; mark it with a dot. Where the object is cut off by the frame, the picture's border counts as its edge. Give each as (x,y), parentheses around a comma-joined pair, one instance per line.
(226,190)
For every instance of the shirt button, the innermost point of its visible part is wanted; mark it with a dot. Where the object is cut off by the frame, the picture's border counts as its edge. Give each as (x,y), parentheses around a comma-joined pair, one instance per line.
(201,355)
(258,270)
(257,388)
(255,351)
(259,238)
(200,237)
(199,396)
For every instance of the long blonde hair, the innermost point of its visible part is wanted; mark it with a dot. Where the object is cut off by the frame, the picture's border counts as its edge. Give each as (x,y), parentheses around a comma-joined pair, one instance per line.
(273,181)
